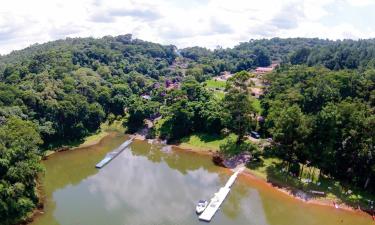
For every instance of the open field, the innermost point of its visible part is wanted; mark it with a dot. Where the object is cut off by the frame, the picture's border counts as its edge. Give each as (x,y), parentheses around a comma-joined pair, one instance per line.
(204,142)
(215,84)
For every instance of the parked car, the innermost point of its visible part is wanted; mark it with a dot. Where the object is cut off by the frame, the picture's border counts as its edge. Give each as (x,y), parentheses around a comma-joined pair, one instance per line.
(254,134)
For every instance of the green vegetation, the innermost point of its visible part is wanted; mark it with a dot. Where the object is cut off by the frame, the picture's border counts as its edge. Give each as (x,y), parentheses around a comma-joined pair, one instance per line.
(19,165)
(334,55)
(219,95)
(215,84)
(189,110)
(68,88)
(274,170)
(256,104)
(238,105)
(318,105)
(325,119)
(232,148)
(205,141)
(105,128)
(241,57)
(64,91)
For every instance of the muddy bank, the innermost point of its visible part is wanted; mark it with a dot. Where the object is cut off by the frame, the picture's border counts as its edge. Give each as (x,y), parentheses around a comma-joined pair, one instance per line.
(287,190)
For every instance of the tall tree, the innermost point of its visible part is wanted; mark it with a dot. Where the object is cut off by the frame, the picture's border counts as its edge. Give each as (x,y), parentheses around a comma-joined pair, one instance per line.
(238,105)
(262,57)
(300,56)
(19,165)
(291,129)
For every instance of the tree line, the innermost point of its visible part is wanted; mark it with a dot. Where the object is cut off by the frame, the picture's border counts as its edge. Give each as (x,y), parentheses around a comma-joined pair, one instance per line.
(324,118)
(60,92)
(320,111)
(334,55)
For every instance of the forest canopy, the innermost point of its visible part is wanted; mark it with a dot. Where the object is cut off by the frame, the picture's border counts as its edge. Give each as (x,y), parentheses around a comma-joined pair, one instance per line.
(318,104)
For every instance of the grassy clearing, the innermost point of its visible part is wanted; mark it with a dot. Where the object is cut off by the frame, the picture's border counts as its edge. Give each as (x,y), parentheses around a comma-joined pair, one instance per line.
(219,95)
(215,84)
(205,142)
(256,105)
(105,128)
(271,169)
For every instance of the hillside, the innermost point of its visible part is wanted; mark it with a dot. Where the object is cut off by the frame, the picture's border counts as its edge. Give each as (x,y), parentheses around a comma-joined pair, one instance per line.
(318,104)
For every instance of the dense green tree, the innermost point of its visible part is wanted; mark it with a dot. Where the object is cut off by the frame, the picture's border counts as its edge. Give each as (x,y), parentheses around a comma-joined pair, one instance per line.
(300,56)
(212,115)
(140,109)
(262,58)
(324,117)
(178,121)
(344,136)
(191,109)
(237,102)
(196,72)
(291,130)
(19,165)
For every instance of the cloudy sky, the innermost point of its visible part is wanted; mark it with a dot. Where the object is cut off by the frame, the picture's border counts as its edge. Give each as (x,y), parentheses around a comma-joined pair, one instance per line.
(183,23)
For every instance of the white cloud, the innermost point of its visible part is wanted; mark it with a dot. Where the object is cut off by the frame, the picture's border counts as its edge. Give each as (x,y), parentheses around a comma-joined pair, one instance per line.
(361,2)
(183,23)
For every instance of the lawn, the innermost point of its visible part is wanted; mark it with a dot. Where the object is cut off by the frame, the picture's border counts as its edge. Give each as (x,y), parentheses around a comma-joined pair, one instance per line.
(205,142)
(219,94)
(105,128)
(215,84)
(256,105)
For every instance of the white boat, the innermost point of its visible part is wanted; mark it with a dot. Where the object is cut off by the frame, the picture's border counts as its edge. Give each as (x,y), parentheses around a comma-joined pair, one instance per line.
(214,204)
(201,206)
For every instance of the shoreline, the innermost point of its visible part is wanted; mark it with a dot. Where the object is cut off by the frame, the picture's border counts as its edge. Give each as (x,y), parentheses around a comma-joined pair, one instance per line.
(93,139)
(247,173)
(287,190)
(39,209)
(87,143)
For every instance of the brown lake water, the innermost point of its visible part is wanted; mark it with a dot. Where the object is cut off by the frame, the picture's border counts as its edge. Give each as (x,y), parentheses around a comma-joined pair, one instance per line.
(156,185)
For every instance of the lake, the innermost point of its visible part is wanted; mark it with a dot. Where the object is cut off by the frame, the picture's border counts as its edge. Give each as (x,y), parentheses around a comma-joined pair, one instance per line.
(158,185)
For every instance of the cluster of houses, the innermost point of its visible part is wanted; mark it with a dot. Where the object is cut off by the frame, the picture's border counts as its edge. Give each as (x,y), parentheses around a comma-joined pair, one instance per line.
(169,85)
(258,81)
(224,76)
(256,91)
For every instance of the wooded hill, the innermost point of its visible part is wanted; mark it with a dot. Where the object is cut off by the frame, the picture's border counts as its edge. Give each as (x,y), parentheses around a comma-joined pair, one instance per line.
(320,112)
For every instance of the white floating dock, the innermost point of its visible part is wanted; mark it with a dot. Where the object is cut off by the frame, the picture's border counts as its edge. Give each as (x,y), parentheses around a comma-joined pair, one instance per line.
(113,154)
(219,197)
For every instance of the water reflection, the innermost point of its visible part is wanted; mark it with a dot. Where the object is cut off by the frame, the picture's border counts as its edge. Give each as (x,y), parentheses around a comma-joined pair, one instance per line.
(153,184)
(70,168)
(138,187)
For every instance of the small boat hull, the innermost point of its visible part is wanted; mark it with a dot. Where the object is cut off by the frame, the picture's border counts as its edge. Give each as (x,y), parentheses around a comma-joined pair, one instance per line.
(202,205)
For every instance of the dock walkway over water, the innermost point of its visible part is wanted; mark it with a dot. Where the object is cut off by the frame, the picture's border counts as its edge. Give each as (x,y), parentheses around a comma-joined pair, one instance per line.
(113,154)
(219,197)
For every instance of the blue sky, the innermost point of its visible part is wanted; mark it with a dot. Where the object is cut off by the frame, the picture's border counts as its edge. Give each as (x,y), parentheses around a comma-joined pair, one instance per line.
(183,23)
